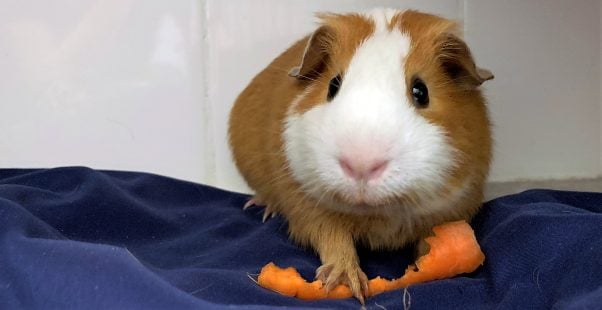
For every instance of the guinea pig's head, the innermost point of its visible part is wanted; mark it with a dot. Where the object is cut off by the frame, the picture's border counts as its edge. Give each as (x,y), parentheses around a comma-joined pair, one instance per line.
(390,113)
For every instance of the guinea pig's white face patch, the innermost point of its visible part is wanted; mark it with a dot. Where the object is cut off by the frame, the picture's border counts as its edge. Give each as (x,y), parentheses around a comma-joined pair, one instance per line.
(369,120)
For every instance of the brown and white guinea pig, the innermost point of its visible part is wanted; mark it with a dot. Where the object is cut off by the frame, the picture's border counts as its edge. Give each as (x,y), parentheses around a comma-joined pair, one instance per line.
(371,131)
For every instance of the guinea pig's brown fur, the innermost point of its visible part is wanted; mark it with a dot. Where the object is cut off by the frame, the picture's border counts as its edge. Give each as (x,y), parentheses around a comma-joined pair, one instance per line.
(258,120)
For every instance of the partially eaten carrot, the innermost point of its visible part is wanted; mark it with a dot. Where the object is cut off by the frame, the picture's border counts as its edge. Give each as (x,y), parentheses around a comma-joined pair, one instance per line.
(453,250)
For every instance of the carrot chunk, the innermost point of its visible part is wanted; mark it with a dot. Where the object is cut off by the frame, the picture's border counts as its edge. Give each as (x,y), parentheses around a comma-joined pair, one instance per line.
(378,285)
(339,292)
(312,291)
(453,250)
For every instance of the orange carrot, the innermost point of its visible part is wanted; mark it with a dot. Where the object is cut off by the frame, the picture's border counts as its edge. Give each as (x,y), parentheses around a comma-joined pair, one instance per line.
(453,250)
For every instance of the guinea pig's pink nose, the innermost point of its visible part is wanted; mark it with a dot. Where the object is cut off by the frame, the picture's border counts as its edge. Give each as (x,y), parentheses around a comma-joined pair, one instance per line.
(363,169)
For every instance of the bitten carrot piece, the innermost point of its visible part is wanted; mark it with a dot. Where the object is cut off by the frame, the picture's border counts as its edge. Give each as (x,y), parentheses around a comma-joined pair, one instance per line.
(453,250)
(289,282)
(379,285)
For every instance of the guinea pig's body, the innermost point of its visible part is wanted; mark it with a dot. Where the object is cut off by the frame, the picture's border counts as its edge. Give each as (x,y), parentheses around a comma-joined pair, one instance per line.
(372,130)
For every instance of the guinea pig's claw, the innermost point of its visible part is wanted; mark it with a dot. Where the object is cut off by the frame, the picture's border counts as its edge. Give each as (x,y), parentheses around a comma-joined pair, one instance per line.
(249,204)
(253,202)
(334,274)
(267,214)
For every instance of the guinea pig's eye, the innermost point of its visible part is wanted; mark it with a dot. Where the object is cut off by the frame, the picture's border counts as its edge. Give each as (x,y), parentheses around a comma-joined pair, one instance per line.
(333,87)
(420,94)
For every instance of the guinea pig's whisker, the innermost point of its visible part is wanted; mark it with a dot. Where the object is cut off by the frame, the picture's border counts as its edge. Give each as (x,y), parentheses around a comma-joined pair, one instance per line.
(311,186)
(320,199)
(267,153)
(317,74)
(280,174)
(303,199)
(297,194)
(303,76)
(333,195)
(263,131)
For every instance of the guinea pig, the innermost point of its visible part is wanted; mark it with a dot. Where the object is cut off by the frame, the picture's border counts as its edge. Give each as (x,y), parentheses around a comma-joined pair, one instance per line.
(369,131)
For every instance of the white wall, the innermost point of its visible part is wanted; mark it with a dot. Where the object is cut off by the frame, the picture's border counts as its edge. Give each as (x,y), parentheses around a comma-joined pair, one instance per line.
(147,84)
(110,84)
(545,100)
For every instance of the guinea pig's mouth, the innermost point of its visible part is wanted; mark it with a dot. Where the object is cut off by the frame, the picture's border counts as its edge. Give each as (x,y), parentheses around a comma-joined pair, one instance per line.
(362,200)
(357,200)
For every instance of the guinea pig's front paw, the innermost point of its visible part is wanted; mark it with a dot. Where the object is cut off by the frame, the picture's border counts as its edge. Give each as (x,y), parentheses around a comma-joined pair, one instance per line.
(349,274)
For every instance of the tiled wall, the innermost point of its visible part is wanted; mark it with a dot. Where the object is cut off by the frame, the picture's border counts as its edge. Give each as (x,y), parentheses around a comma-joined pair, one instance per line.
(113,84)
(147,84)
(545,101)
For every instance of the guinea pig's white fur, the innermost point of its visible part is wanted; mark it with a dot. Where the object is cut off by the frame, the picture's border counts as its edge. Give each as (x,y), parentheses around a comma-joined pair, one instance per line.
(371,117)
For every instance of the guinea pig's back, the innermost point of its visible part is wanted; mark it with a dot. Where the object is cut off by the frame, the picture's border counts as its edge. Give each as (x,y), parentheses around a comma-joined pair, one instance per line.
(257,122)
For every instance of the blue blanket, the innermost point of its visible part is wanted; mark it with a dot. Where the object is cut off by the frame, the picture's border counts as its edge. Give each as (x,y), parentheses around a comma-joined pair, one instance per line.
(76,238)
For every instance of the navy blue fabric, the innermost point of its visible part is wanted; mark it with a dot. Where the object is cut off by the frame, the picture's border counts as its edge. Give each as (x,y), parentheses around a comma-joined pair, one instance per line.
(85,239)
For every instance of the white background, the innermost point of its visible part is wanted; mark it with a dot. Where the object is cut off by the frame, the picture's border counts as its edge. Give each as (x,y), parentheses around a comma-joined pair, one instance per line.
(147,84)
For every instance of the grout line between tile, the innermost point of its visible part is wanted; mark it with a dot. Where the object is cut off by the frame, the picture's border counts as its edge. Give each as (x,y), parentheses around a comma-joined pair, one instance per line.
(208,117)
(462,13)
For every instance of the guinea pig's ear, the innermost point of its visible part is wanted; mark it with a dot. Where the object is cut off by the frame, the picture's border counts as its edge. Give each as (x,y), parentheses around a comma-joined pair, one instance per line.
(315,56)
(456,60)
